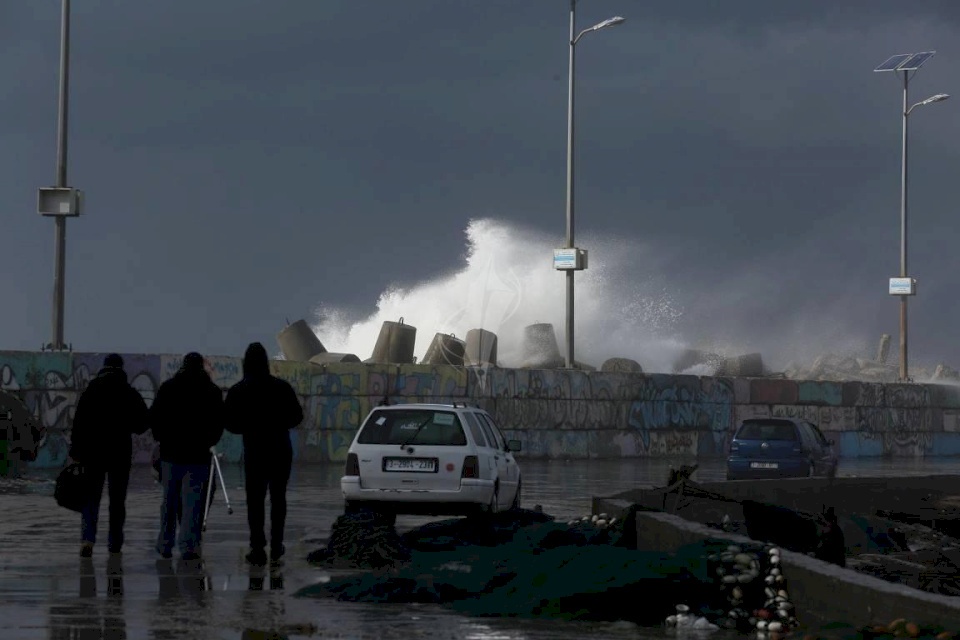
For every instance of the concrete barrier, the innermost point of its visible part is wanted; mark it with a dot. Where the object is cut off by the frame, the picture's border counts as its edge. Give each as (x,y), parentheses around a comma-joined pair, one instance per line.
(821,592)
(562,413)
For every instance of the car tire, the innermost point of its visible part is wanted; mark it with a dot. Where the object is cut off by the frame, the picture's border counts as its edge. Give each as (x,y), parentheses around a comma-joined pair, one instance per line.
(516,498)
(494,505)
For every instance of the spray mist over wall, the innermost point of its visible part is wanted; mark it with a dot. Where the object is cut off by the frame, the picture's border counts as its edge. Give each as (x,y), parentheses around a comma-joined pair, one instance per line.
(630,303)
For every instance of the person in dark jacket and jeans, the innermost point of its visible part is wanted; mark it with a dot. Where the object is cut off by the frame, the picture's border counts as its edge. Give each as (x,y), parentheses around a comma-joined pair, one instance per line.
(108,413)
(187,420)
(263,409)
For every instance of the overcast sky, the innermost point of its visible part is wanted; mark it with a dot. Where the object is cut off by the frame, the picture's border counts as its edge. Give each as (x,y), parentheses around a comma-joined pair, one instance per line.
(244,162)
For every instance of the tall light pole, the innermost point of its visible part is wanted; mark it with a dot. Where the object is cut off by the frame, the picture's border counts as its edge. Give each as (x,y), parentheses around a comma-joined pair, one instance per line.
(905,286)
(573,259)
(60,201)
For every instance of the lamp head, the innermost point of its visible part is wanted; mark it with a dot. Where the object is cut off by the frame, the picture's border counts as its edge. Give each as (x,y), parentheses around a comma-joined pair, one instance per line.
(609,22)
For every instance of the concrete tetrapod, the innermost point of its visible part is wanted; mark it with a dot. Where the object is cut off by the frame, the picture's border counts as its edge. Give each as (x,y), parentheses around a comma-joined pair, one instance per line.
(445,349)
(540,349)
(481,348)
(395,343)
(298,342)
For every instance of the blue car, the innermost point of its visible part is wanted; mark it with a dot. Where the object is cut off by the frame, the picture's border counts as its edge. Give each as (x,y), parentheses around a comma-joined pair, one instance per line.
(780,448)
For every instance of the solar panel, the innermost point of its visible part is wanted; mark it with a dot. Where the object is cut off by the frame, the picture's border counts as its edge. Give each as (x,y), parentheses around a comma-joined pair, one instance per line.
(893,62)
(915,62)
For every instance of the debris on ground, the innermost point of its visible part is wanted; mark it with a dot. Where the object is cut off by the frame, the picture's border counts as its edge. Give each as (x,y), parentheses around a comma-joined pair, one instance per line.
(523,563)
(362,540)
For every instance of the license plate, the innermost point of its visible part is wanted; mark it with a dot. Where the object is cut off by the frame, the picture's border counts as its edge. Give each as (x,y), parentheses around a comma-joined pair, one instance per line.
(764,465)
(424,465)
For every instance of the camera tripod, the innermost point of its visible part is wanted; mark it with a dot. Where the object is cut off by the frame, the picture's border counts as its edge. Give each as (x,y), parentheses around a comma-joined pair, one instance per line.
(215,474)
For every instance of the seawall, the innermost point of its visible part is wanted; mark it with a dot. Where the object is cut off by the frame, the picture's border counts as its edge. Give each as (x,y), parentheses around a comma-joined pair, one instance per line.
(557,413)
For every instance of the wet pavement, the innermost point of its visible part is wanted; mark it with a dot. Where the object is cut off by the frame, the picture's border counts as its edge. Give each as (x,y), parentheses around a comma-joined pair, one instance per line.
(47,591)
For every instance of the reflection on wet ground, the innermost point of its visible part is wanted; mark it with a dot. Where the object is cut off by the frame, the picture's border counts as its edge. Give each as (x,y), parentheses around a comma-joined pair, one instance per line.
(48,591)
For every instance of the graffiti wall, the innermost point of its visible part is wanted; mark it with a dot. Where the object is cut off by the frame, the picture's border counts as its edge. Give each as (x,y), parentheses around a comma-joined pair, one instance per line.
(555,413)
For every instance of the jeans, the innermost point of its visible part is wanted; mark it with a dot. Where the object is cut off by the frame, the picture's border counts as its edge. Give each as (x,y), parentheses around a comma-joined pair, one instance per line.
(183,491)
(117,479)
(261,475)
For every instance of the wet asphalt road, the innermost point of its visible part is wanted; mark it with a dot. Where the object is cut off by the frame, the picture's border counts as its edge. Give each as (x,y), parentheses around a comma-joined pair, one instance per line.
(47,591)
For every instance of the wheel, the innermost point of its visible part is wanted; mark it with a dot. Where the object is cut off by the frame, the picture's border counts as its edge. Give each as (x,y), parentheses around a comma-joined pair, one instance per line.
(516,498)
(494,505)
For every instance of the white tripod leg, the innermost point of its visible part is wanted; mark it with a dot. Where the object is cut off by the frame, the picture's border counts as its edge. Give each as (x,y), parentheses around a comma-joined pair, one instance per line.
(223,486)
(207,496)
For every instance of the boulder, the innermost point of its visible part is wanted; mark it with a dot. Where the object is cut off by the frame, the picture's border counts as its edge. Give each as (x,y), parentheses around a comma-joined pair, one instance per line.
(621,365)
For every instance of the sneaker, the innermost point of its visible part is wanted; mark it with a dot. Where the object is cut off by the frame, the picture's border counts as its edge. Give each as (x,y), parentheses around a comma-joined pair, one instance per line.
(276,553)
(257,557)
(86,550)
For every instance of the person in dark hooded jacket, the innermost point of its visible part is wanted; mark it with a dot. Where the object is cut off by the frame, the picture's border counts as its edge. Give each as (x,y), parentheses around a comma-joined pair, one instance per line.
(263,408)
(108,413)
(187,419)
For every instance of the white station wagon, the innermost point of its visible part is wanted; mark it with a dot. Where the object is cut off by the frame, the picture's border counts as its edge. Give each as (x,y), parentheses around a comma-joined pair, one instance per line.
(430,459)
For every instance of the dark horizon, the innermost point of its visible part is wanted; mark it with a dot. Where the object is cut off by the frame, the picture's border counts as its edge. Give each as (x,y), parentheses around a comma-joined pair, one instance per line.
(242,167)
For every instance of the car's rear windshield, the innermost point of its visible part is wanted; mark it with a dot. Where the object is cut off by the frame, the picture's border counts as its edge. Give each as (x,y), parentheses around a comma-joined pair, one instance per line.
(767,431)
(413,426)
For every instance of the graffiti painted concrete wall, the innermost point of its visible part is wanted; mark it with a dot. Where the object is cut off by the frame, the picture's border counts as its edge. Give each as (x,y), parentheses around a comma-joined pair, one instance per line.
(556,413)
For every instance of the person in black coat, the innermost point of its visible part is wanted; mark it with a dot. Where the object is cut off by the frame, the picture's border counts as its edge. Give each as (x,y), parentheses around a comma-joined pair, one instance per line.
(263,408)
(187,419)
(108,413)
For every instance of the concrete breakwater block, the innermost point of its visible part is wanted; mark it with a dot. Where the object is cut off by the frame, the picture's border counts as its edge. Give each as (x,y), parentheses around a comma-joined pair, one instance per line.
(745,366)
(481,348)
(621,365)
(330,358)
(445,349)
(693,357)
(395,343)
(298,342)
(540,349)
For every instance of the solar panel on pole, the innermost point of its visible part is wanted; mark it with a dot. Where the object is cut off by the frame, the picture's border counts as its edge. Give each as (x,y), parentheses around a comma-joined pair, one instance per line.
(894,61)
(914,62)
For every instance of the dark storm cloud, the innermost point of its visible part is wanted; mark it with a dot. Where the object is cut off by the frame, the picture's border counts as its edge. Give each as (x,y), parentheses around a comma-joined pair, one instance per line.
(243,164)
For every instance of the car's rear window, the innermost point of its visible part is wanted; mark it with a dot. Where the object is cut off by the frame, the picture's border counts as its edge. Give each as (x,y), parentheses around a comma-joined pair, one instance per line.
(414,426)
(767,431)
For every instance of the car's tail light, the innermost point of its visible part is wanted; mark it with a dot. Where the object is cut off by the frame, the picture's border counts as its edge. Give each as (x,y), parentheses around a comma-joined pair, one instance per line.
(471,467)
(734,447)
(352,467)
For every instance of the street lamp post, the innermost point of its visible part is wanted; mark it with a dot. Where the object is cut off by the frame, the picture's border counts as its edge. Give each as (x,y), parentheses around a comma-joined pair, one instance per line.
(571,260)
(905,286)
(60,201)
